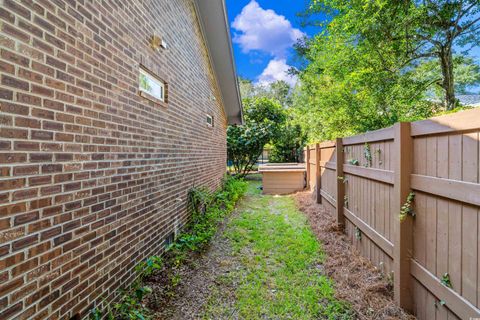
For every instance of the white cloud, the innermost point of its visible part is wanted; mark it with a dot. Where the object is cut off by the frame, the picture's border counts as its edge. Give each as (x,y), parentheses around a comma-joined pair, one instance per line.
(276,70)
(264,30)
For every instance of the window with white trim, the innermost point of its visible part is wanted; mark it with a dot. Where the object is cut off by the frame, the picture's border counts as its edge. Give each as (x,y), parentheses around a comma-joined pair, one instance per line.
(151,86)
(209,120)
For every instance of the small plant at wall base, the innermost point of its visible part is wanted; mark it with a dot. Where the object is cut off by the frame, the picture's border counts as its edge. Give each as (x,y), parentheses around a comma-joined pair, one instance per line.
(208,209)
(407,209)
(130,305)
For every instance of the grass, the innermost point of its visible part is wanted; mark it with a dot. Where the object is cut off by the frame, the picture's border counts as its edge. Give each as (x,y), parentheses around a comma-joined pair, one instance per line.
(278,258)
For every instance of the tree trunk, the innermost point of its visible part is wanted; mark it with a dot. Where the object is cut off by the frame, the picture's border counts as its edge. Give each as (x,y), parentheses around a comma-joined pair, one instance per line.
(446,62)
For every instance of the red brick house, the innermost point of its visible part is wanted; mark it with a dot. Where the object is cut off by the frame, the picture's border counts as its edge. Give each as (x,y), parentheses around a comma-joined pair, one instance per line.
(110,111)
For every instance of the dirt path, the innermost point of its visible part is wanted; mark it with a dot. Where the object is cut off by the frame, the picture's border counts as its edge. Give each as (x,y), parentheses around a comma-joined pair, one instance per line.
(198,279)
(267,263)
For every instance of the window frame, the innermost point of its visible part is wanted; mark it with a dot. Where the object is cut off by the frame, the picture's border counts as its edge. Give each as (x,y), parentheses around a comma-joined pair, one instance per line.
(142,70)
(212,123)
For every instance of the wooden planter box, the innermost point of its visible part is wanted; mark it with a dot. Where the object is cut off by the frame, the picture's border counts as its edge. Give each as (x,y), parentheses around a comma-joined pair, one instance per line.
(283,178)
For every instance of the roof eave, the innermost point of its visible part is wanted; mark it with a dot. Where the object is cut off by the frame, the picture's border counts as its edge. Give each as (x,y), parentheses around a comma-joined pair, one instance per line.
(216,33)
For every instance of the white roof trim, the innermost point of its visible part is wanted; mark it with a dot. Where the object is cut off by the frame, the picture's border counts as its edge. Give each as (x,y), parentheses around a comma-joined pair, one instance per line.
(216,32)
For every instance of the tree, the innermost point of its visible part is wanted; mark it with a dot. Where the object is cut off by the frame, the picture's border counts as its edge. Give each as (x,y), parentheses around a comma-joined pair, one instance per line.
(439,26)
(245,145)
(347,87)
(247,89)
(263,121)
(279,91)
(413,30)
(288,145)
(465,70)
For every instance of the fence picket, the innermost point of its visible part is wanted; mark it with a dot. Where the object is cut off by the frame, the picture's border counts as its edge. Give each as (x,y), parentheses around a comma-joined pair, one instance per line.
(439,160)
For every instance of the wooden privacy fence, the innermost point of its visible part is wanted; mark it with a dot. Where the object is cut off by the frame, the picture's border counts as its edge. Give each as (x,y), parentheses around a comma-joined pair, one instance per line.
(433,253)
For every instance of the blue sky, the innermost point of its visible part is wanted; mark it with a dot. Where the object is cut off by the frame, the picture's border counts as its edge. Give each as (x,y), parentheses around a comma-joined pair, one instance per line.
(263,34)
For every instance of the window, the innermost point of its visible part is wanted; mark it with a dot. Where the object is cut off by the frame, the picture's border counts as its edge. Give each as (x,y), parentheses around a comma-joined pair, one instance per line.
(150,86)
(209,120)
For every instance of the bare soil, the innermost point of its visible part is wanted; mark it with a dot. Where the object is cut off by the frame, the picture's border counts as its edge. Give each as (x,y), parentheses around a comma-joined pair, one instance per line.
(198,278)
(184,292)
(356,280)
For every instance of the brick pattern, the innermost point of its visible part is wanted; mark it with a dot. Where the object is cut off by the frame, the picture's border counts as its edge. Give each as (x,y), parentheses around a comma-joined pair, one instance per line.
(93,176)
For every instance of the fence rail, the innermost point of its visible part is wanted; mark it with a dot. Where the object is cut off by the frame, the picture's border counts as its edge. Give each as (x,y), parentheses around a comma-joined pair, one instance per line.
(433,255)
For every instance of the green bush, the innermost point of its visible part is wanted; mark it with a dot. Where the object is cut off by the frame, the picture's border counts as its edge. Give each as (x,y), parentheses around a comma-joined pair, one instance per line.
(288,145)
(208,209)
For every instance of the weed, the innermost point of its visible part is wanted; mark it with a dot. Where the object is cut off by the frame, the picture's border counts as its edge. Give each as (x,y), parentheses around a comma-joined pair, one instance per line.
(407,209)
(279,276)
(354,162)
(207,210)
(358,233)
(446,280)
(368,155)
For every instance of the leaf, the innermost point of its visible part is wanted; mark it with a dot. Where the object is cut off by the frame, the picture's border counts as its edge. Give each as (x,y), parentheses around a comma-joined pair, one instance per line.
(446,280)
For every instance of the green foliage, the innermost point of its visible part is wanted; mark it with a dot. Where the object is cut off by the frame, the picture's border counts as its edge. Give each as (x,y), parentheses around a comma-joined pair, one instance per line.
(147,267)
(446,280)
(288,144)
(207,210)
(267,118)
(407,209)
(130,305)
(378,153)
(279,91)
(374,63)
(367,153)
(263,122)
(96,314)
(354,162)
(277,275)
(466,73)
(358,233)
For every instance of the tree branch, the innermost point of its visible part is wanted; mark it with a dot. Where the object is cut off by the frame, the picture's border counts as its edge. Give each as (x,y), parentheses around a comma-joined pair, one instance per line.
(466,27)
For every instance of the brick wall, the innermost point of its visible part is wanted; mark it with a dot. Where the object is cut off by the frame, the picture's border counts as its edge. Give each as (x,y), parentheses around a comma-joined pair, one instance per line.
(93,176)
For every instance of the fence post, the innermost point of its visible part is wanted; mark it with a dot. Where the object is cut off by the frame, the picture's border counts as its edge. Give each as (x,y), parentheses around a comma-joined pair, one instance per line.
(339,183)
(318,171)
(307,164)
(403,237)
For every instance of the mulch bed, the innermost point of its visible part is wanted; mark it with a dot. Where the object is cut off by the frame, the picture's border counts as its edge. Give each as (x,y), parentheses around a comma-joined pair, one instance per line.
(357,281)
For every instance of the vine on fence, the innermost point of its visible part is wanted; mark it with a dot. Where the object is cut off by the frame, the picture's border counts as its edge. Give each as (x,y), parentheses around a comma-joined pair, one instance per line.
(354,162)
(407,209)
(368,155)
(378,152)
(446,280)
(358,233)
(343,179)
